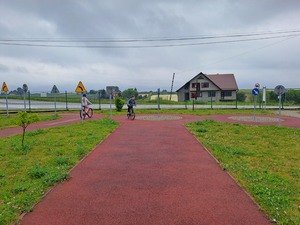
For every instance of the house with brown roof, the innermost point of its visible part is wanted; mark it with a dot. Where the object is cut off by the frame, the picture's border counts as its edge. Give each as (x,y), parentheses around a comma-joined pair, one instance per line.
(214,87)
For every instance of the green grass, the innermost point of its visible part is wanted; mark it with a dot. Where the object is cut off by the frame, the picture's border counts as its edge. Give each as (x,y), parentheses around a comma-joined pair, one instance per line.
(197,112)
(6,122)
(263,159)
(27,173)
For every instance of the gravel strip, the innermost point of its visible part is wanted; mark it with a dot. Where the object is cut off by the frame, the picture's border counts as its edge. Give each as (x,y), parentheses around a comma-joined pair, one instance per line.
(257,119)
(159,117)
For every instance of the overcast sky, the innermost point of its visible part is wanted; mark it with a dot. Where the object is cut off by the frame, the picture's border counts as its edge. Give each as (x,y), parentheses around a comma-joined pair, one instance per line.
(272,58)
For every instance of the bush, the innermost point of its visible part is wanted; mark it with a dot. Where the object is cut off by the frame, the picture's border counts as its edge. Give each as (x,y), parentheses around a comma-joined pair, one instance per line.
(241,96)
(119,103)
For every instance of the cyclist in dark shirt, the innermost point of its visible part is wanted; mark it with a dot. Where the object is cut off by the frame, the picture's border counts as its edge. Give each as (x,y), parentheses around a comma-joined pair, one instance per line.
(131,103)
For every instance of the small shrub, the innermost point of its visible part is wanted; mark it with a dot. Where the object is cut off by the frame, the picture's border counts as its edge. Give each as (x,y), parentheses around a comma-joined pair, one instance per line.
(119,103)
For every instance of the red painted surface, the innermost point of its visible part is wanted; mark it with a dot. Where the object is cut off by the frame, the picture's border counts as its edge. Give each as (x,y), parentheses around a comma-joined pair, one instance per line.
(148,172)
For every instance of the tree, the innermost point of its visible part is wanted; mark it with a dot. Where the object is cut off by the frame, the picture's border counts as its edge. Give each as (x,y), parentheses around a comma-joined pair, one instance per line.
(102,93)
(24,119)
(129,92)
(20,91)
(92,92)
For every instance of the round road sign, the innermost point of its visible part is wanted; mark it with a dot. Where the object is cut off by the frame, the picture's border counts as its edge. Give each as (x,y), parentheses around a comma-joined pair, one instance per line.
(279,90)
(25,88)
(255,91)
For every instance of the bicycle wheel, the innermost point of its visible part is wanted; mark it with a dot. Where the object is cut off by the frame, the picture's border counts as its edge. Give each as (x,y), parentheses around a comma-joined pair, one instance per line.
(82,114)
(131,114)
(90,113)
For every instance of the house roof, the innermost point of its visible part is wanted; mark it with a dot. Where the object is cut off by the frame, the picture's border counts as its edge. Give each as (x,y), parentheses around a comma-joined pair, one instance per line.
(222,81)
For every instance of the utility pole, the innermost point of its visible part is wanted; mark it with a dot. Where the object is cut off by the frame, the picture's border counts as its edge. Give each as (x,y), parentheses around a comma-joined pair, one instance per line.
(172,86)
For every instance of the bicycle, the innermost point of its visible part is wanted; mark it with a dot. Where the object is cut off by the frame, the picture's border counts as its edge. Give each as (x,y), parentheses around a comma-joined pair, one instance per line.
(131,114)
(84,112)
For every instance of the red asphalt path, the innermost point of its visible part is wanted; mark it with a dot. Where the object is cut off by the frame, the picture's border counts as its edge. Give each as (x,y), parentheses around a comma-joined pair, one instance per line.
(148,172)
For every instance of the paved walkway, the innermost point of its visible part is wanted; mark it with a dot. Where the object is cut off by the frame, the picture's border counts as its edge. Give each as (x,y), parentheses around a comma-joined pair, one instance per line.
(148,172)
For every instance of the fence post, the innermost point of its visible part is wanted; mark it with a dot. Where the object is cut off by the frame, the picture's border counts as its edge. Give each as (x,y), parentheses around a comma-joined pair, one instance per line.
(236,100)
(29,101)
(66,94)
(99,96)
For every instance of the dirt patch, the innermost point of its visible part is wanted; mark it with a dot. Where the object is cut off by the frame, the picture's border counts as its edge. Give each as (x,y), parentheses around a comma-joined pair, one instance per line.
(159,117)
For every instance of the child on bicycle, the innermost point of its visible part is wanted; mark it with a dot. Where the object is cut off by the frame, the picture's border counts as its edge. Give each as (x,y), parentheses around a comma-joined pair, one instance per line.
(130,104)
(85,103)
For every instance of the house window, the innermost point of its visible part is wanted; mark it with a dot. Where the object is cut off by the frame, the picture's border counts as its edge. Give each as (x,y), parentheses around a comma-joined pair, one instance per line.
(199,94)
(205,85)
(194,85)
(227,93)
(211,94)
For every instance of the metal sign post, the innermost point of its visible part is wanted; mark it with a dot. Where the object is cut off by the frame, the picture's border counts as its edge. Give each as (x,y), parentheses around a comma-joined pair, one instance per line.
(99,98)
(6,104)
(25,89)
(255,92)
(81,89)
(279,90)
(110,91)
(5,89)
(158,99)
(110,105)
(54,91)
(264,97)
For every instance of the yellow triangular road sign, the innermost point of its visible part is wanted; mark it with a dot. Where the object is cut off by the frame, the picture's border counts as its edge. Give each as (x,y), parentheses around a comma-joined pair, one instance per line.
(4,87)
(80,87)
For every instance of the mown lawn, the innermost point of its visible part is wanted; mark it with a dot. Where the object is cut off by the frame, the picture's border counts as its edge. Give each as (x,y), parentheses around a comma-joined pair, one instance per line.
(27,173)
(6,122)
(265,160)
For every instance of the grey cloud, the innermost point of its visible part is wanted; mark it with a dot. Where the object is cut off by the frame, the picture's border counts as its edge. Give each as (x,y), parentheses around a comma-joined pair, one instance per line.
(4,68)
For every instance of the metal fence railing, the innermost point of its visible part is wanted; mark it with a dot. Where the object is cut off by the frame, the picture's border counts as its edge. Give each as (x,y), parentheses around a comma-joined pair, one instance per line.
(71,101)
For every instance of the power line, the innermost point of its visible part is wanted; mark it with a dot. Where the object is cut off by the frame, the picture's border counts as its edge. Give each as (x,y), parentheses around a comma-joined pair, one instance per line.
(15,43)
(238,55)
(158,39)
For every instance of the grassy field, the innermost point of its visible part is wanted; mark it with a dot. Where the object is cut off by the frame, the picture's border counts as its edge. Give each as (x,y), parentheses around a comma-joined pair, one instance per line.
(263,159)
(26,175)
(6,122)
